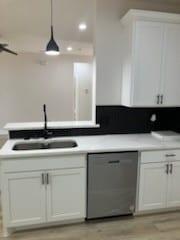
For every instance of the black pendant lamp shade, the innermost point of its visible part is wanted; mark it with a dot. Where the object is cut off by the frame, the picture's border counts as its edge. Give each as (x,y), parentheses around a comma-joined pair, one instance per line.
(52,47)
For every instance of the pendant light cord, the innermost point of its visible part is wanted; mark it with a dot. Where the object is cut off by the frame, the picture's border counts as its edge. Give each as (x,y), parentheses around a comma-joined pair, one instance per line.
(51,12)
(52,34)
(52,47)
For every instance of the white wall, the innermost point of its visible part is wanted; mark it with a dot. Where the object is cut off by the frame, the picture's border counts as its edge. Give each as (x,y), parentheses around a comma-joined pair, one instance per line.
(108,43)
(30,80)
(83,74)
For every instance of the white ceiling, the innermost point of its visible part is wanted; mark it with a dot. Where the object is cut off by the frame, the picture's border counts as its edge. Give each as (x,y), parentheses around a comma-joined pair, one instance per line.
(25,24)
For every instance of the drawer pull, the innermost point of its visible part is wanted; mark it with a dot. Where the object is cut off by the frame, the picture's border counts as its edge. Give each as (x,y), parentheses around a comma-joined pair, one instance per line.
(170,155)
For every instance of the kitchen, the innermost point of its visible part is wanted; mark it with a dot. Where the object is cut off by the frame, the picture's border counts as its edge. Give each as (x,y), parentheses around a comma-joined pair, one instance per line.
(62,166)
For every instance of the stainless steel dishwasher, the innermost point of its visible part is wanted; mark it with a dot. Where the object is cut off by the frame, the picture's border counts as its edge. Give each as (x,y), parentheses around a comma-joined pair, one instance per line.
(112,179)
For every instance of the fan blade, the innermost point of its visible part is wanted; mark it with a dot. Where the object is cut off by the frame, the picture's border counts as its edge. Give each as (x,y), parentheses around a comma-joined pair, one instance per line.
(8,50)
(3,44)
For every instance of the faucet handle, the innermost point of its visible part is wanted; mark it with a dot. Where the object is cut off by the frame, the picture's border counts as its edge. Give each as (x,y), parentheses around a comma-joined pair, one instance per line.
(49,133)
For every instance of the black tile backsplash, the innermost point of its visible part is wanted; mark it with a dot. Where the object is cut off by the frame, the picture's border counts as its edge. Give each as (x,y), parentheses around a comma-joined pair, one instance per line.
(118,120)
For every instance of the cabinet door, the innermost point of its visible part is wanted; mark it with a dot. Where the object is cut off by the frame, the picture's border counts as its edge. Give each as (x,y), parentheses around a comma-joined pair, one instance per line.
(148,45)
(171,65)
(24,199)
(173,196)
(153,186)
(66,194)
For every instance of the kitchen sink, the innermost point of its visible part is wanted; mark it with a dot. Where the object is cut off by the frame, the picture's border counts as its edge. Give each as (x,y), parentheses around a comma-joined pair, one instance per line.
(44,145)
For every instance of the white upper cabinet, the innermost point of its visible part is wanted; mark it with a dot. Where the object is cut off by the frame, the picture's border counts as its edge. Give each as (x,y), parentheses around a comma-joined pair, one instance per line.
(171,65)
(147,63)
(151,59)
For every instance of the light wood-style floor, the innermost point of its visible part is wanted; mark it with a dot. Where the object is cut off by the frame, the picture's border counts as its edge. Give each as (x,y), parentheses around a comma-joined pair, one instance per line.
(152,227)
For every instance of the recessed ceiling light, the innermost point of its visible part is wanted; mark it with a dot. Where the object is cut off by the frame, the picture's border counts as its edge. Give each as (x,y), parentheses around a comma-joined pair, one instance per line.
(82,26)
(69,49)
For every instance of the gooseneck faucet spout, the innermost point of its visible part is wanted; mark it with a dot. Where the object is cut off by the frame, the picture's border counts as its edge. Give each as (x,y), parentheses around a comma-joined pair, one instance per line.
(46,133)
(45,117)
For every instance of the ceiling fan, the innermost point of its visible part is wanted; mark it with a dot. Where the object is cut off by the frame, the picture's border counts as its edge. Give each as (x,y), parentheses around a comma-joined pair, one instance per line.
(3,48)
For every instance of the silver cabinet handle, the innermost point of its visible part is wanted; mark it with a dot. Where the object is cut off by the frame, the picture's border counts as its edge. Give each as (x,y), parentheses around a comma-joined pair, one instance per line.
(161,99)
(167,169)
(158,99)
(171,168)
(43,178)
(170,155)
(47,178)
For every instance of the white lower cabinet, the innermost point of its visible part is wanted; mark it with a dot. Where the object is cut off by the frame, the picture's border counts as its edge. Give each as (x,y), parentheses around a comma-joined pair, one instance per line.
(173,193)
(153,182)
(159,181)
(42,191)
(25,199)
(66,195)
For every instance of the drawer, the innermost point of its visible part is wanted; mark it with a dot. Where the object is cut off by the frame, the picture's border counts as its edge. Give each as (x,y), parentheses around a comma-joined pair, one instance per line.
(160,156)
(44,163)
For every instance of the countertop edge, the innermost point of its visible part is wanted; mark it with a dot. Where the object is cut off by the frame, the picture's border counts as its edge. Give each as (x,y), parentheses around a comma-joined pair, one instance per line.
(93,144)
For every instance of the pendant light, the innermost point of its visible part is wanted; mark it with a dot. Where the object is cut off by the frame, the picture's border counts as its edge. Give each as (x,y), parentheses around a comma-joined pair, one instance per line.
(52,48)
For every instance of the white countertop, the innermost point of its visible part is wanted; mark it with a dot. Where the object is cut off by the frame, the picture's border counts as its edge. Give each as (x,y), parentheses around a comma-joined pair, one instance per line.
(3,134)
(50,125)
(93,144)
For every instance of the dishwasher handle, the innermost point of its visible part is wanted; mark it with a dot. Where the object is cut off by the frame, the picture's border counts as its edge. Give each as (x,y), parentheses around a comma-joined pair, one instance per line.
(114,162)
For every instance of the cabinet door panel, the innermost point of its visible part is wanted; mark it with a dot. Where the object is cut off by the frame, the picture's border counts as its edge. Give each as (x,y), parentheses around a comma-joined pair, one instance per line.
(66,194)
(171,65)
(173,197)
(147,63)
(153,186)
(24,199)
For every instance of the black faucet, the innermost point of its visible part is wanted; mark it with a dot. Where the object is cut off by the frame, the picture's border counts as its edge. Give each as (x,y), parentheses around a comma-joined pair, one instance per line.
(46,133)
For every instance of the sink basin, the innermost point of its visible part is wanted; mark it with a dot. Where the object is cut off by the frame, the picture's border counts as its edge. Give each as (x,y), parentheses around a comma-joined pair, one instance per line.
(44,145)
